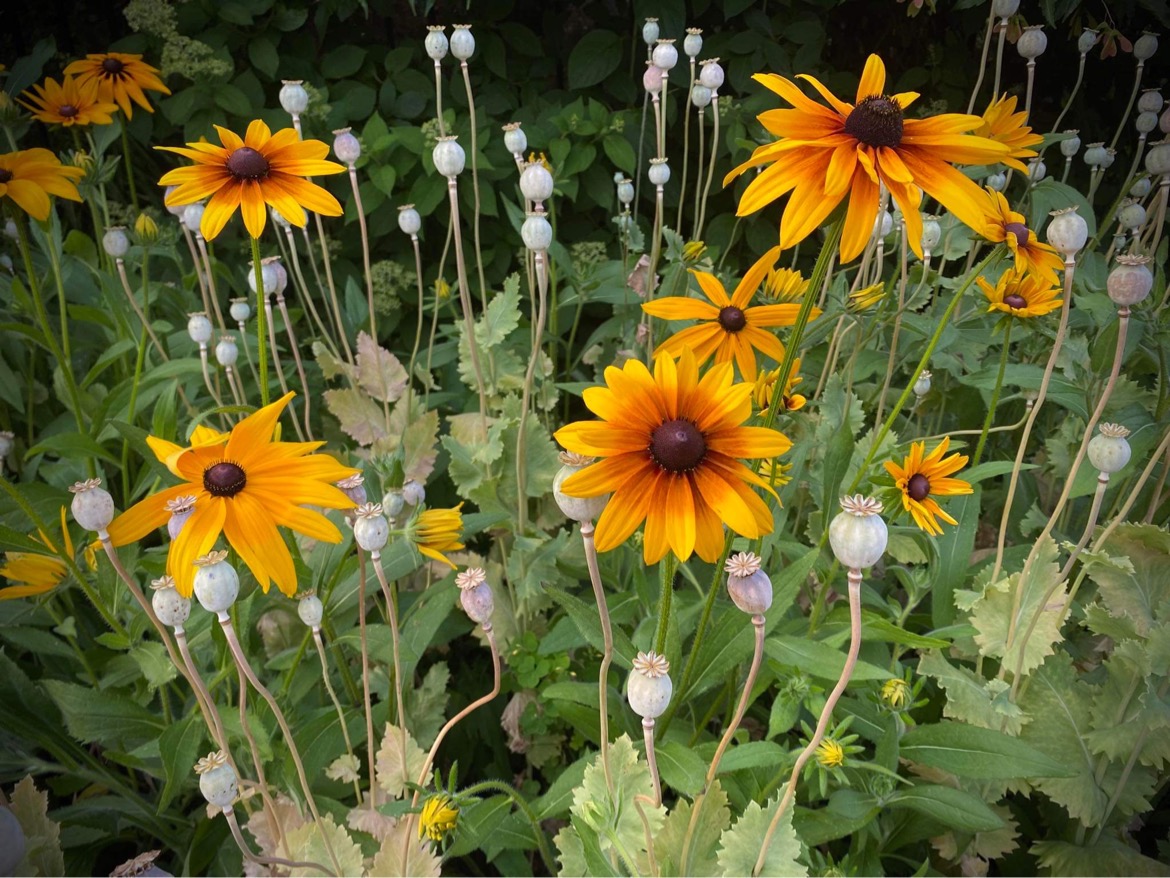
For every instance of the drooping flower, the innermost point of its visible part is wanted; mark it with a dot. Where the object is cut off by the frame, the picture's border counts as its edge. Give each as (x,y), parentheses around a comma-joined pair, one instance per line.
(1003,124)
(30,176)
(785,285)
(436,531)
(121,78)
(765,389)
(922,477)
(731,330)
(1007,226)
(826,154)
(70,102)
(438,818)
(1021,295)
(36,574)
(671,445)
(262,168)
(246,486)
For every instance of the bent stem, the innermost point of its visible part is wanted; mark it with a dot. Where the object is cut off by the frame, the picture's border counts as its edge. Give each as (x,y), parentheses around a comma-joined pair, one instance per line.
(357,790)
(990,419)
(826,713)
(274,824)
(230,816)
(607,655)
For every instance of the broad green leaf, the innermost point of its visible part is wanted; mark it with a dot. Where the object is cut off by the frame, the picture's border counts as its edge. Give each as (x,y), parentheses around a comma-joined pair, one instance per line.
(682,769)
(42,853)
(954,548)
(180,744)
(595,56)
(426,705)
(740,845)
(398,762)
(847,812)
(671,847)
(585,617)
(955,808)
(1135,582)
(1128,716)
(1107,856)
(104,718)
(157,667)
(970,698)
(818,659)
(71,446)
(971,751)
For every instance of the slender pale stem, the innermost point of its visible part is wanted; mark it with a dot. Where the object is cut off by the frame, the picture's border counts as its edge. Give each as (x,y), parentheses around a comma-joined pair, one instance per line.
(1003,26)
(607,653)
(991,407)
(1076,87)
(522,461)
(439,99)
(357,790)
(475,184)
(211,715)
(699,165)
(1094,512)
(418,273)
(212,292)
(897,329)
(121,264)
(372,761)
(1028,88)
(465,301)
(197,261)
(710,166)
(395,640)
(296,352)
(303,289)
(274,824)
(230,816)
(686,110)
(1137,84)
(983,60)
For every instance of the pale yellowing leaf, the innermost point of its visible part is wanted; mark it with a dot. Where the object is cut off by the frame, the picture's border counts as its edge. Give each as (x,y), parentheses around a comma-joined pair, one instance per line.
(399,761)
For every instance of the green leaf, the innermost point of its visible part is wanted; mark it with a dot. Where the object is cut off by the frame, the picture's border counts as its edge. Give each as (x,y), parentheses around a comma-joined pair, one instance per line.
(307,844)
(71,446)
(360,418)
(681,767)
(263,56)
(954,549)
(970,751)
(104,718)
(1135,582)
(1128,716)
(847,812)
(180,745)
(618,150)
(954,808)
(584,616)
(155,664)
(818,659)
(596,56)
(970,698)
(677,842)
(740,845)
(343,61)
(1106,856)
(232,100)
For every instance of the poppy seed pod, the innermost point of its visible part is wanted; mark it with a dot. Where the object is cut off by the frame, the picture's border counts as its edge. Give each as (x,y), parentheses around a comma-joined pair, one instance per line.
(576,508)
(1070,146)
(1132,215)
(700,96)
(659,172)
(217,585)
(1032,42)
(278,218)
(1109,450)
(648,688)
(293,97)
(1005,8)
(172,609)
(1037,170)
(931,233)
(475,595)
(1130,281)
(693,43)
(536,182)
(858,534)
(116,242)
(515,140)
(711,74)
(413,492)
(354,487)
(217,780)
(346,146)
(536,232)
(1067,232)
(749,586)
(92,506)
(883,223)
(240,310)
(996,181)
(1109,158)
(1146,122)
(1150,101)
(7,442)
(1145,46)
(393,502)
(193,216)
(371,530)
(181,509)
(311,610)
(650,31)
(409,220)
(665,55)
(1141,187)
(436,44)
(448,156)
(226,352)
(175,210)
(1158,158)
(1164,121)
(922,384)
(268,277)
(652,79)
(1087,40)
(462,42)
(625,191)
(199,328)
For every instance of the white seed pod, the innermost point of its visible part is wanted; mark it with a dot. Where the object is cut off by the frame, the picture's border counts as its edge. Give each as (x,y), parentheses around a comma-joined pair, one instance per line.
(413,492)
(1087,40)
(226,352)
(1005,8)
(354,487)
(346,146)
(1158,158)
(172,609)
(278,218)
(1141,187)
(217,585)
(475,595)
(371,530)
(1145,46)
(659,172)
(1132,215)
(1150,101)
(536,182)
(749,586)
(515,140)
(648,687)
(1067,232)
(858,534)
(293,98)
(665,55)
(1109,158)
(652,79)
(1037,170)
(199,328)
(883,224)
(1071,146)
(576,508)
(181,509)
(217,780)
(536,232)
(462,42)
(1109,450)
(116,242)
(1119,241)
(436,44)
(393,502)
(92,506)
(268,277)
(449,157)
(650,31)
(408,220)
(1032,42)
(701,96)
(1130,281)
(996,181)
(281,273)
(693,42)
(240,310)
(7,442)
(192,216)
(625,191)
(311,610)
(922,384)
(1095,155)
(175,210)
(711,74)
(1164,121)
(931,233)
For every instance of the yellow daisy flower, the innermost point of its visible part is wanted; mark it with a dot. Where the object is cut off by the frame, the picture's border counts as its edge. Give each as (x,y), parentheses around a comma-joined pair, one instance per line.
(1021,295)
(438,818)
(826,154)
(261,169)
(36,574)
(785,285)
(671,445)
(121,78)
(1006,226)
(72,102)
(830,754)
(245,486)
(766,387)
(730,329)
(922,477)
(1003,124)
(436,531)
(30,176)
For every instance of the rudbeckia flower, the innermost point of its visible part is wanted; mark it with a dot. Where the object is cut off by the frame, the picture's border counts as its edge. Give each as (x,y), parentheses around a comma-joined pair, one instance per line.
(731,330)
(436,531)
(671,445)
(1006,226)
(263,168)
(438,818)
(246,486)
(826,154)
(765,389)
(922,477)
(30,176)
(1021,295)
(36,574)
(121,78)
(72,102)
(1003,124)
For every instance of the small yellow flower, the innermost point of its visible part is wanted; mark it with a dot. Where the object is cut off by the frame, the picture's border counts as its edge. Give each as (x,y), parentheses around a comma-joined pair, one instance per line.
(72,102)
(36,574)
(867,297)
(766,386)
(922,477)
(541,158)
(830,754)
(895,693)
(120,78)
(693,251)
(1021,295)
(145,227)
(785,285)
(436,531)
(442,290)
(438,818)
(783,473)
(1003,124)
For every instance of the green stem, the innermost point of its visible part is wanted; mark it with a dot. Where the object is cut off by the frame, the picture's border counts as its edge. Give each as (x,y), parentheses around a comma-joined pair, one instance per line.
(129,166)
(522,804)
(667,568)
(138,364)
(62,304)
(990,419)
(261,323)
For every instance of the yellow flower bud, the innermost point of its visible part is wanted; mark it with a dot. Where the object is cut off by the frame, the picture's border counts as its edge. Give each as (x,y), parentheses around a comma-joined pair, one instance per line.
(830,754)
(438,818)
(896,693)
(146,228)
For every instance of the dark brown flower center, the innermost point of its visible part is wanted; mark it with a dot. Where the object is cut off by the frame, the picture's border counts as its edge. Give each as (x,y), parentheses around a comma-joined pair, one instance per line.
(67,110)
(918,487)
(1020,231)
(224,479)
(876,121)
(678,446)
(247,164)
(112,66)
(1015,300)
(732,319)
(5,175)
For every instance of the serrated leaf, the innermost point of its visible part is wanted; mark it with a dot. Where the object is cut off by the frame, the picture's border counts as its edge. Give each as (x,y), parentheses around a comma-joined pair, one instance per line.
(331,366)
(699,854)
(740,845)
(103,717)
(157,667)
(1135,582)
(344,768)
(399,761)
(970,698)
(42,853)
(1127,713)
(427,704)
(1107,856)
(379,372)
(359,416)
(306,844)
(417,436)
(501,317)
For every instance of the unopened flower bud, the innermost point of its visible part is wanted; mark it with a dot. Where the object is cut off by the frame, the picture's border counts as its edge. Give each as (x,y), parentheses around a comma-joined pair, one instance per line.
(1130,281)
(172,609)
(1109,450)
(659,171)
(693,43)
(449,157)
(1032,42)
(462,42)
(475,595)
(650,31)
(371,530)
(1145,46)
(93,507)
(293,97)
(217,585)
(665,55)
(116,242)
(858,534)
(346,146)
(749,586)
(576,508)
(436,44)
(536,182)
(146,228)
(711,74)
(536,232)
(1067,232)
(648,688)
(181,509)
(217,780)
(311,610)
